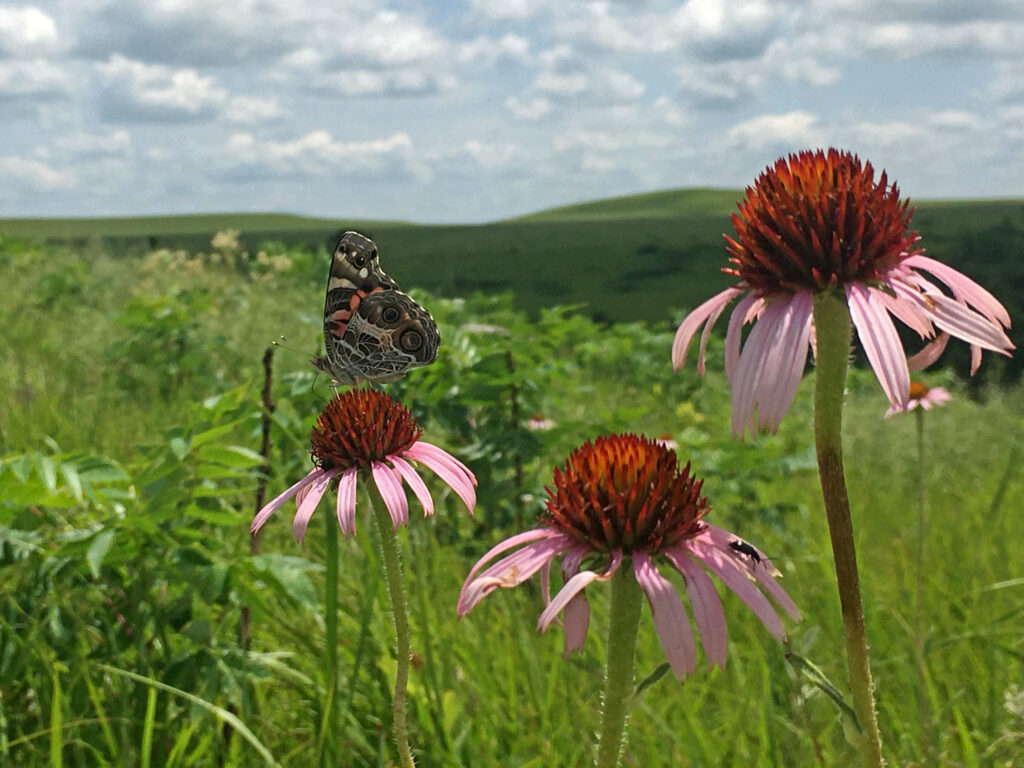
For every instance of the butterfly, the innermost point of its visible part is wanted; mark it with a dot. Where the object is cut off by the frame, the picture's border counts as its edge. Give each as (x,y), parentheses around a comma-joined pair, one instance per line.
(373,331)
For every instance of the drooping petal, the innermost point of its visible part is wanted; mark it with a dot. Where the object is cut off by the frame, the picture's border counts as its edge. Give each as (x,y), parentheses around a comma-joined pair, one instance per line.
(569,590)
(749,308)
(509,543)
(391,492)
(957,318)
(305,511)
(881,343)
(764,384)
(706,314)
(738,579)
(577,622)
(963,288)
(929,353)
(764,572)
(275,504)
(907,313)
(670,619)
(707,607)
(411,476)
(448,468)
(514,569)
(786,361)
(347,501)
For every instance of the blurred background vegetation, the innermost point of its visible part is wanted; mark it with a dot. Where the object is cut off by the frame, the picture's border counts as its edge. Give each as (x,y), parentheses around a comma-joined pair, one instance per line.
(129,469)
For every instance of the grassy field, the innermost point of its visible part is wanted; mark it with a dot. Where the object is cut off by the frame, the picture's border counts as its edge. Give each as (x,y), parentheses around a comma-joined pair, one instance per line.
(128,476)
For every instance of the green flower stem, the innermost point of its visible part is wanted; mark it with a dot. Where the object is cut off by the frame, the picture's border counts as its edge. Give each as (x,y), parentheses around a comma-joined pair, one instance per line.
(393,574)
(923,695)
(832,327)
(327,739)
(618,691)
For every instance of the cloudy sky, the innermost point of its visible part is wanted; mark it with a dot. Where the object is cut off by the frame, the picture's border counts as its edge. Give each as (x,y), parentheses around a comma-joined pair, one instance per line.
(474,110)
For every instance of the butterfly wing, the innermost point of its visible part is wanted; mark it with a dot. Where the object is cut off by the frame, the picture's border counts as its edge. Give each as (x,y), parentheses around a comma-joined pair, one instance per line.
(387,335)
(372,331)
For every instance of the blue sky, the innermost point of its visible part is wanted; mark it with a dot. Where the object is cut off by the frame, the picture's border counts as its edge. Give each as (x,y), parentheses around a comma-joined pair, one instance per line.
(475,110)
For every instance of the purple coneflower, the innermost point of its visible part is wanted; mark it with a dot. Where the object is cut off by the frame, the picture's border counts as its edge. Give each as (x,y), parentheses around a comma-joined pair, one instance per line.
(819,222)
(921,396)
(366,429)
(537,423)
(623,498)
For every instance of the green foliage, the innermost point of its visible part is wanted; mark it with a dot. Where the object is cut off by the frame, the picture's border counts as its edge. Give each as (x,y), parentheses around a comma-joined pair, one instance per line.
(128,475)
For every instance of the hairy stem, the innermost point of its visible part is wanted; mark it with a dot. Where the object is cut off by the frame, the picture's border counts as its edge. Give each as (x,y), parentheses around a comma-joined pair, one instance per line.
(618,691)
(393,574)
(832,327)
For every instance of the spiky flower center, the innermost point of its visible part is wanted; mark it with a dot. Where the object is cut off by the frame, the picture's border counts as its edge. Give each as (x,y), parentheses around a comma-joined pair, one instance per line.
(815,220)
(625,492)
(919,390)
(361,426)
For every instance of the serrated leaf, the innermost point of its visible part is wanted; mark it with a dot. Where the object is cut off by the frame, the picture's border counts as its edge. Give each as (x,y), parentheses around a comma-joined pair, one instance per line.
(71,478)
(98,550)
(47,471)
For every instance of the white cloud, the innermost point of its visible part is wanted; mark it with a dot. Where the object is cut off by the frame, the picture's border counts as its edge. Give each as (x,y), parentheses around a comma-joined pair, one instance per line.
(317,153)
(33,78)
(34,174)
(528,110)
(507,10)
(566,75)
(116,143)
(488,51)
(134,90)
(26,32)
(791,130)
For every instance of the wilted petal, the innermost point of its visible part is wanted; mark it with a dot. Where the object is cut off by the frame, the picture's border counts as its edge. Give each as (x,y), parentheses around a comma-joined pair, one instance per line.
(391,492)
(305,511)
(275,504)
(670,619)
(881,343)
(707,607)
(706,314)
(406,470)
(347,501)
(569,590)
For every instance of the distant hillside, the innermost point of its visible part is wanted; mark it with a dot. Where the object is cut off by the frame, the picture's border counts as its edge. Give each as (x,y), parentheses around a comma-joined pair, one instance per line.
(640,257)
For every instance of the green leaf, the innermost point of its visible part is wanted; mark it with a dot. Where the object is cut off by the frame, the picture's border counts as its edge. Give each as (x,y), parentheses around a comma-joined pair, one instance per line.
(71,478)
(178,446)
(47,471)
(98,550)
(232,456)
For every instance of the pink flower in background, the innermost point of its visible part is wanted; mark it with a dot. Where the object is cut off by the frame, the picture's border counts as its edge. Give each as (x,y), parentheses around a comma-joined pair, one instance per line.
(537,423)
(622,501)
(364,429)
(816,222)
(921,396)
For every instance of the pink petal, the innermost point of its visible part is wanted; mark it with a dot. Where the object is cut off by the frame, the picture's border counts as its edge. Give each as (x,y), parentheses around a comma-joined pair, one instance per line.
(509,543)
(929,353)
(670,619)
(512,570)
(786,361)
(749,308)
(406,470)
(706,314)
(881,343)
(347,501)
(275,504)
(954,316)
(906,313)
(305,511)
(738,579)
(565,595)
(448,468)
(707,607)
(765,384)
(765,572)
(963,288)
(577,622)
(391,492)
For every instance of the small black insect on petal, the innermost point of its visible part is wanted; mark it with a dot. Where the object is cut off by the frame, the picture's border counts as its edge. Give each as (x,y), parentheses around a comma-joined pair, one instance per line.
(741,547)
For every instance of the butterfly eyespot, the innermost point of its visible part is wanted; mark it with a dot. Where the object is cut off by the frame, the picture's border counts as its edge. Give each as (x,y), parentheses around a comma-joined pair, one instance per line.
(360,261)
(411,341)
(390,315)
